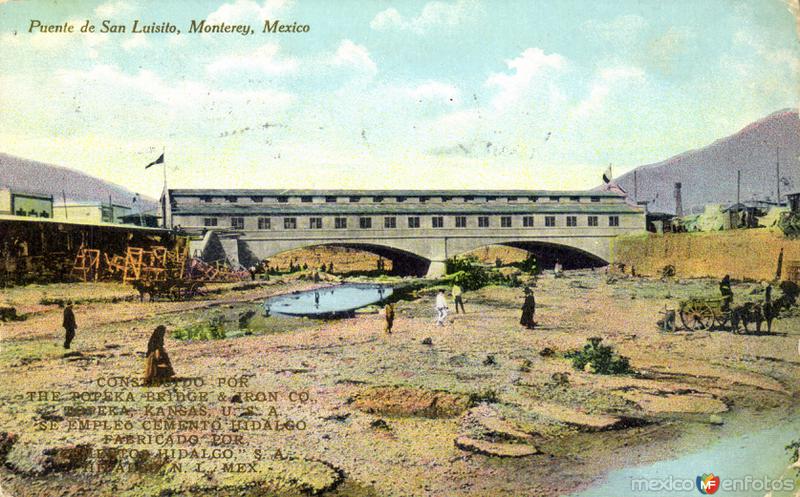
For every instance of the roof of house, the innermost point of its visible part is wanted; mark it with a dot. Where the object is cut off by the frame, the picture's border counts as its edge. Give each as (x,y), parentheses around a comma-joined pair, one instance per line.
(391,193)
(401,208)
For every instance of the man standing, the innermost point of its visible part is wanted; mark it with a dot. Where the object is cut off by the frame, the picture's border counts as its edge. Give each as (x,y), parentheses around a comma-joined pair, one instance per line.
(457,299)
(726,292)
(441,308)
(69,324)
(528,310)
(389,310)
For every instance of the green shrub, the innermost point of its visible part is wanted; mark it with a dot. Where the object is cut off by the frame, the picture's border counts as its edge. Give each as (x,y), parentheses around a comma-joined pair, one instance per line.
(211,330)
(466,272)
(599,359)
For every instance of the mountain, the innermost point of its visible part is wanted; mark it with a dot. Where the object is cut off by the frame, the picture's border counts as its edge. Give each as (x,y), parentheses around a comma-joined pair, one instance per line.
(708,174)
(37,177)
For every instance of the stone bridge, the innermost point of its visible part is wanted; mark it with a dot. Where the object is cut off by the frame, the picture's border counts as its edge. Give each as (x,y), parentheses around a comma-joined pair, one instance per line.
(417,230)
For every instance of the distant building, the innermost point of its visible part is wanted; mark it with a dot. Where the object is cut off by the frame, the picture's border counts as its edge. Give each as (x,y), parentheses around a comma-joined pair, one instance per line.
(90,212)
(16,203)
(149,219)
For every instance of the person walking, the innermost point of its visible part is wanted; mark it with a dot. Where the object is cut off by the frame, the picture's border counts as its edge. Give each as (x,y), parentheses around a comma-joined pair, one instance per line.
(457,299)
(69,325)
(528,310)
(441,308)
(389,311)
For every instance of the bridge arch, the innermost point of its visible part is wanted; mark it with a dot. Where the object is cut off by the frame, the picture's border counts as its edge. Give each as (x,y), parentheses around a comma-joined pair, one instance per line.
(404,261)
(547,254)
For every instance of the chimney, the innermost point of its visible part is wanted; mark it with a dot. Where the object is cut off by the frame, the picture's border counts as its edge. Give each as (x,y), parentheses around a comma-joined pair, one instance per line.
(678,202)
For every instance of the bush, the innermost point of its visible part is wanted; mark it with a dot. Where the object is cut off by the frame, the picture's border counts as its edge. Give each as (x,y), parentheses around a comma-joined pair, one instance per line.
(599,359)
(211,330)
(466,273)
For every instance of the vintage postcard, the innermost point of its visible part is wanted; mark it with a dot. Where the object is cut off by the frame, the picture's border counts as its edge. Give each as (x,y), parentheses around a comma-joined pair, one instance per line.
(399,248)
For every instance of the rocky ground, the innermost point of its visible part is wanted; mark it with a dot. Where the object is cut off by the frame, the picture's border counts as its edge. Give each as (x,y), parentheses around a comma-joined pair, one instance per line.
(480,407)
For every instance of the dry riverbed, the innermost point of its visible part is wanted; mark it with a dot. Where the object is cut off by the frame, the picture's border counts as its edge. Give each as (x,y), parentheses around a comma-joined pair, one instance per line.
(482,408)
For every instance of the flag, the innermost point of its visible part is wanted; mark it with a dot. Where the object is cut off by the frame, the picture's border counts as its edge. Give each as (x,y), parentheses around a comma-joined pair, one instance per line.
(160,160)
(607,175)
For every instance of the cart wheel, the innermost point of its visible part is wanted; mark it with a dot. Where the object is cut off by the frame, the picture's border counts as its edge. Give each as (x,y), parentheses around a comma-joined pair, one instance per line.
(697,316)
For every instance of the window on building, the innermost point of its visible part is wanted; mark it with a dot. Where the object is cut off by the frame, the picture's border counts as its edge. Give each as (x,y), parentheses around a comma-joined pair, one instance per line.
(574,199)
(209,221)
(206,199)
(527,221)
(340,223)
(330,200)
(20,212)
(461,221)
(413,221)
(390,222)
(290,223)
(283,200)
(44,214)
(595,199)
(555,199)
(231,199)
(237,223)
(469,198)
(354,200)
(591,221)
(572,221)
(306,199)
(257,200)
(377,199)
(512,199)
(437,221)
(365,223)
(491,199)
(483,221)
(422,200)
(315,223)
(613,220)
(505,221)
(447,199)
(264,223)
(550,221)
(533,199)
(401,199)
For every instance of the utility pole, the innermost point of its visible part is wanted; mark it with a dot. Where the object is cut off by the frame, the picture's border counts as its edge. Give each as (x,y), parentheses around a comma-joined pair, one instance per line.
(738,187)
(778,173)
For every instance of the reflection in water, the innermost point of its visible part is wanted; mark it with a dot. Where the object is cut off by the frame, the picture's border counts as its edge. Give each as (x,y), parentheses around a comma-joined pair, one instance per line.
(342,299)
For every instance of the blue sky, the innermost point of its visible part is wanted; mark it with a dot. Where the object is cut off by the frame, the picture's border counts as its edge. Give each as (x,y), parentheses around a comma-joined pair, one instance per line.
(406,94)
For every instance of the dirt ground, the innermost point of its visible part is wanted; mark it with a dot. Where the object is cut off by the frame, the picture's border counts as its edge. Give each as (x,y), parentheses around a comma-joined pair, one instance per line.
(479,407)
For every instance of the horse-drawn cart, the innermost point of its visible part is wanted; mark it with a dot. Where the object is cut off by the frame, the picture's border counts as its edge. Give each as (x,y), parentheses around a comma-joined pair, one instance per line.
(700,313)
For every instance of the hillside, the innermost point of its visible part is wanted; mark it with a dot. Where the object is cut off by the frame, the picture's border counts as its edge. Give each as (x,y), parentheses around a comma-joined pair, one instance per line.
(37,177)
(708,174)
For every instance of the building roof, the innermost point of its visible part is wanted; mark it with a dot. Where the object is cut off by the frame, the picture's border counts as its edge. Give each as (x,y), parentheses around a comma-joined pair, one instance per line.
(391,193)
(401,208)
(25,219)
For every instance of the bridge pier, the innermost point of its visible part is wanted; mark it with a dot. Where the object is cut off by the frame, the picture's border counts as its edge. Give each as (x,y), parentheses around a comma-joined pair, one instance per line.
(436,269)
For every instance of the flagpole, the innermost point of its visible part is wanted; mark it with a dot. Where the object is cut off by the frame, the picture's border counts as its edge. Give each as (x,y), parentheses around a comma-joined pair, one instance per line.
(164,193)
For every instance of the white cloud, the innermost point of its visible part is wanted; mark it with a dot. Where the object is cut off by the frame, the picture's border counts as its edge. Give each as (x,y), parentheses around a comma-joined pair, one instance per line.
(528,69)
(111,9)
(435,90)
(184,94)
(350,54)
(247,10)
(263,59)
(606,81)
(433,15)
